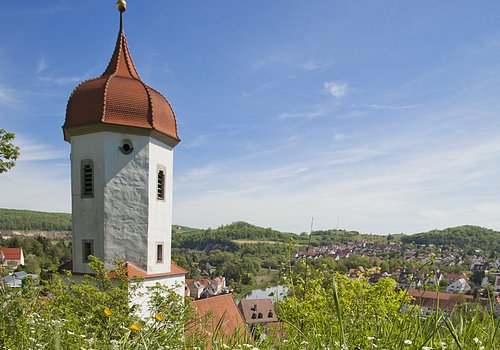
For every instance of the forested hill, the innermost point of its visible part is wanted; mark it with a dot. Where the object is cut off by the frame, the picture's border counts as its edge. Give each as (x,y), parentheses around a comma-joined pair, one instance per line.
(468,237)
(224,236)
(11,219)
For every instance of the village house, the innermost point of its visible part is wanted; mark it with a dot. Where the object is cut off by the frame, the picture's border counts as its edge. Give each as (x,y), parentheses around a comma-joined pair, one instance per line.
(17,279)
(258,311)
(206,288)
(11,257)
(431,300)
(219,317)
(459,286)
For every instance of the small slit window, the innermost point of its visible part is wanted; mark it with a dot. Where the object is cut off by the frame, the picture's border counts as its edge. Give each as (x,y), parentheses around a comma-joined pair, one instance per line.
(87,178)
(159,253)
(87,249)
(161,185)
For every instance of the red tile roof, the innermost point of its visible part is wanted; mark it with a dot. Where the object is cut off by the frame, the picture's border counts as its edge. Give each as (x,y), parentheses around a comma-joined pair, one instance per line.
(447,301)
(134,271)
(220,309)
(11,253)
(258,311)
(120,97)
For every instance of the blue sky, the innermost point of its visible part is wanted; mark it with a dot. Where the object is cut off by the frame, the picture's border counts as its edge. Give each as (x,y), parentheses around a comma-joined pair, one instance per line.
(378,116)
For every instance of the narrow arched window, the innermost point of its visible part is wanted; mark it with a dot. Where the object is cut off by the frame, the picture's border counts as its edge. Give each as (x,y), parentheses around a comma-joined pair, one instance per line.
(87,178)
(161,185)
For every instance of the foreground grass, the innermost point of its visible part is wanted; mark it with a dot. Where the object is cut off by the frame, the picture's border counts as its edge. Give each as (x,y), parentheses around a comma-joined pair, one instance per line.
(323,311)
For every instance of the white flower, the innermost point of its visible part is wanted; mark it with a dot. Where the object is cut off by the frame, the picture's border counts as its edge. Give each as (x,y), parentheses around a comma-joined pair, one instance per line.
(481,348)
(408,342)
(371,338)
(426,348)
(476,339)
(304,343)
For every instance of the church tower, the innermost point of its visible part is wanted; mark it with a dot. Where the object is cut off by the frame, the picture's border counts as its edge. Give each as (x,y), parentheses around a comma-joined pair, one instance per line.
(122,134)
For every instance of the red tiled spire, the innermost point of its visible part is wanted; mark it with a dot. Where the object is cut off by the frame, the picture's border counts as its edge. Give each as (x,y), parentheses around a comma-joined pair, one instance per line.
(120,97)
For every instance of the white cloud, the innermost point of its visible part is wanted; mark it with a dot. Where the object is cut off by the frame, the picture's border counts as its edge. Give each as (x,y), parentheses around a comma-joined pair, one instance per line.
(62,80)
(42,65)
(36,186)
(289,61)
(389,107)
(338,136)
(34,151)
(306,114)
(311,65)
(6,96)
(335,88)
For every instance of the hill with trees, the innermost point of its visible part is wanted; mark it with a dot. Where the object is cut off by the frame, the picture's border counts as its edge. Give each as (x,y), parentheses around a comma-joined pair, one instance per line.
(12,219)
(470,238)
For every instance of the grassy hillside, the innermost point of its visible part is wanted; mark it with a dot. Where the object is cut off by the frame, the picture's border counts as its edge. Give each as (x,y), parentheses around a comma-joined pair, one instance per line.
(11,219)
(468,237)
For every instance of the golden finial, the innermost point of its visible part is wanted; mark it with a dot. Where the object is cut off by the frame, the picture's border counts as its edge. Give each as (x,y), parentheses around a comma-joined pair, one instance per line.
(121,5)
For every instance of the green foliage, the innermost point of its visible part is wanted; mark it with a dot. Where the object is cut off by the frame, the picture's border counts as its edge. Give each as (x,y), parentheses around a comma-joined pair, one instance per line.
(466,237)
(11,219)
(40,253)
(92,314)
(8,151)
(325,311)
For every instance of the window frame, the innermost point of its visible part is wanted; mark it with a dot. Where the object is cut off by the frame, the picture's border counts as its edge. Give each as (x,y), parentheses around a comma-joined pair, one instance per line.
(83,180)
(160,258)
(85,256)
(161,181)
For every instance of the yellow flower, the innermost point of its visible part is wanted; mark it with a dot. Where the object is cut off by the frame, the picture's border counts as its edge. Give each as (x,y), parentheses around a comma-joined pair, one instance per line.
(135,327)
(107,311)
(159,317)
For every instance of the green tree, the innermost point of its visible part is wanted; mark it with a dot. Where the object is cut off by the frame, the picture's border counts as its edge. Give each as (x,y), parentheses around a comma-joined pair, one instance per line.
(8,151)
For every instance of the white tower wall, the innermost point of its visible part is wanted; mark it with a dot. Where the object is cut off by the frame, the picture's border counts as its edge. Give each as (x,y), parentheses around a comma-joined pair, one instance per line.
(124,219)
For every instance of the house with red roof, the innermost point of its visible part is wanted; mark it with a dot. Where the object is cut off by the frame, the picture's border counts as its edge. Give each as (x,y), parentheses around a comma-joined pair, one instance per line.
(220,318)
(11,257)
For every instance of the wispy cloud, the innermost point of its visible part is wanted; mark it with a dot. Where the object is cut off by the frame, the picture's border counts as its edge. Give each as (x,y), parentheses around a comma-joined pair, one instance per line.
(60,81)
(312,65)
(45,74)
(291,62)
(338,136)
(337,89)
(391,107)
(304,115)
(198,140)
(7,96)
(35,151)
(263,87)
(42,65)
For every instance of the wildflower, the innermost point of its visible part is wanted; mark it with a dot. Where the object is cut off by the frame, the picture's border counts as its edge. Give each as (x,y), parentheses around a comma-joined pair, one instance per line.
(426,348)
(371,338)
(476,339)
(107,311)
(70,332)
(159,317)
(135,327)
(408,342)
(304,343)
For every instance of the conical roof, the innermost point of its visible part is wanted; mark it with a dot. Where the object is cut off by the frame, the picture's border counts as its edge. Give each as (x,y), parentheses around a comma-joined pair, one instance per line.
(119,99)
